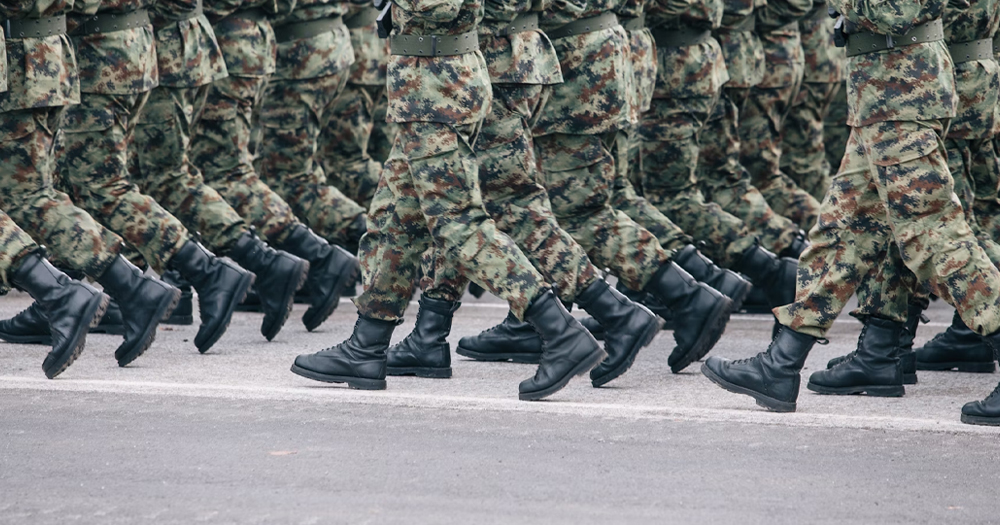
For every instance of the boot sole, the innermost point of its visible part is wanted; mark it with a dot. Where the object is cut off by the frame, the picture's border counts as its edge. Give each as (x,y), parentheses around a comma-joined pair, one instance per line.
(709,336)
(357,383)
(165,308)
(109,330)
(652,329)
(27,339)
(738,298)
(909,379)
(585,365)
(289,298)
(333,299)
(419,371)
(869,390)
(981,420)
(245,283)
(959,366)
(531,359)
(95,310)
(769,403)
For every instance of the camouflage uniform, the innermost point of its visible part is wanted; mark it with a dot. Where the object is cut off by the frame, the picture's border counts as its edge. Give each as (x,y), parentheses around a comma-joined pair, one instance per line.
(894,185)
(803,156)
(31,109)
(429,190)
(767,106)
(722,178)
(835,128)
(189,59)
(311,71)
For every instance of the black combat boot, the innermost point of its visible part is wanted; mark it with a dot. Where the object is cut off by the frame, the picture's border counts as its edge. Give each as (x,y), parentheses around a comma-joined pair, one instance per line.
(221,286)
(359,361)
(28,327)
(331,269)
(957,348)
(512,340)
(628,327)
(594,327)
(355,231)
(279,275)
(112,323)
(700,313)
(771,377)
(476,291)
(907,357)
(70,308)
(872,369)
(987,411)
(773,275)
(184,313)
(568,349)
(797,246)
(425,352)
(652,303)
(143,301)
(702,268)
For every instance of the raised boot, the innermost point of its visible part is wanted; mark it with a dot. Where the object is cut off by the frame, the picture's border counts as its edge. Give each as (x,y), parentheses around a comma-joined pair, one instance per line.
(568,349)
(957,348)
(628,327)
(360,361)
(28,327)
(873,369)
(476,291)
(221,286)
(907,357)
(70,307)
(700,313)
(702,268)
(112,323)
(279,276)
(652,303)
(774,276)
(512,340)
(771,377)
(184,313)
(425,352)
(331,269)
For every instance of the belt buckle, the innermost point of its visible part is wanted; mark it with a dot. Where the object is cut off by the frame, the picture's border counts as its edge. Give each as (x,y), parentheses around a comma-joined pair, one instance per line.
(434,44)
(889,42)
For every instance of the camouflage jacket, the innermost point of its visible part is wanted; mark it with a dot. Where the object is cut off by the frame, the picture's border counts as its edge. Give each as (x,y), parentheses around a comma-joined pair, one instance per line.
(906,83)
(777,14)
(117,62)
(247,45)
(371,54)
(691,71)
(187,52)
(824,60)
(318,56)
(520,58)
(779,34)
(447,89)
(49,78)
(742,50)
(976,81)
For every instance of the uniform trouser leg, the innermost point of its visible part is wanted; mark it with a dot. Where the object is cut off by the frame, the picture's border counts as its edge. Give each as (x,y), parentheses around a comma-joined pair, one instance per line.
(27,194)
(724,181)
(986,175)
(220,147)
(159,165)
(429,195)
(835,129)
(14,245)
(803,155)
(893,186)
(383,133)
(516,201)
(344,143)
(290,118)
(578,171)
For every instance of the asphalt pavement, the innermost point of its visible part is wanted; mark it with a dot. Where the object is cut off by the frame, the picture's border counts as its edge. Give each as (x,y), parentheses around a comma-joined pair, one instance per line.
(234,437)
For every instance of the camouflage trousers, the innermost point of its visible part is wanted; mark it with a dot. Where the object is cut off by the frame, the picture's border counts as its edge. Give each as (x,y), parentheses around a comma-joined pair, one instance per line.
(383,133)
(893,187)
(803,156)
(15,244)
(761,123)
(220,146)
(579,171)
(344,143)
(835,129)
(28,195)
(92,162)
(291,118)
(160,166)
(516,201)
(724,181)
(428,194)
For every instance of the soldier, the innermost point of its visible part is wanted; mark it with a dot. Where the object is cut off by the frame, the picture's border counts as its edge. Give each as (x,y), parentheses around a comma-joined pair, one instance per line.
(893,187)
(32,109)
(803,156)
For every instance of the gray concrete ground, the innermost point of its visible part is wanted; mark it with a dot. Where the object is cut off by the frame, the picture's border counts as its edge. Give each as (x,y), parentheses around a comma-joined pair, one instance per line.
(233,436)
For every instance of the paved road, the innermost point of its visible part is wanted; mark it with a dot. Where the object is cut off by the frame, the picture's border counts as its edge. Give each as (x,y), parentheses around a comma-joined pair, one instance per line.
(234,437)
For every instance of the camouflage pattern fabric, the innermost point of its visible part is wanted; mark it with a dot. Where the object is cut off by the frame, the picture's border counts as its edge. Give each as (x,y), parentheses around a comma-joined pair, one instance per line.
(119,62)
(187,52)
(835,128)
(15,244)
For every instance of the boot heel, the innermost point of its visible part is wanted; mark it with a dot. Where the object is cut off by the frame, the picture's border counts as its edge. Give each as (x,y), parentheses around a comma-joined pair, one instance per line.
(430,373)
(977,368)
(886,391)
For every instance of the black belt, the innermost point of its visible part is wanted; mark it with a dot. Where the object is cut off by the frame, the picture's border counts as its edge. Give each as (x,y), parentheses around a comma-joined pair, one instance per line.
(635,23)
(198,11)
(363,18)
(111,22)
(34,27)
(749,23)
(523,22)
(304,30)
(584,25)
(971,50)
(861,43)
(434,45)
(679,36)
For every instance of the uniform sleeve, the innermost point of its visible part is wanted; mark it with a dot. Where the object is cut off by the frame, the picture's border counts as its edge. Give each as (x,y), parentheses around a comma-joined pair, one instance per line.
(782,12)
(891,17)
(702,13)
(432,10)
